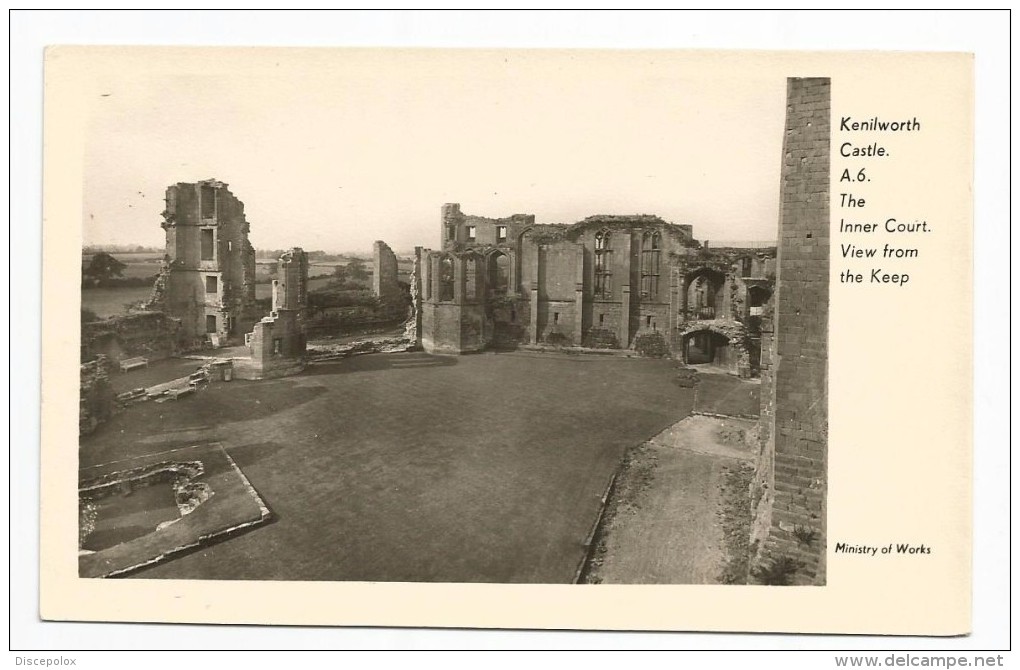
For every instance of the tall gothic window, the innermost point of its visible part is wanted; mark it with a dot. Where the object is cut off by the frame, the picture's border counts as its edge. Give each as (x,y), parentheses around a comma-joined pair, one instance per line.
(603,265)
(446,278)
(650,243)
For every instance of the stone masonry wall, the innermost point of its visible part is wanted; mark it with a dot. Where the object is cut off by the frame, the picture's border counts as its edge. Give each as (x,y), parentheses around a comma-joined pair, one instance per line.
(209,266)
(791,473)
(150,334)
(384,270)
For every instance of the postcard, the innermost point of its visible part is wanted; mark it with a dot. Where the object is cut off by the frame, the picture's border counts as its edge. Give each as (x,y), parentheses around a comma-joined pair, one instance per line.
(544,339)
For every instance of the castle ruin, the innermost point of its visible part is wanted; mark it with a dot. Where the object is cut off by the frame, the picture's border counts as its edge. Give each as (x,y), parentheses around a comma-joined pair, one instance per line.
(208,276)
(608,282)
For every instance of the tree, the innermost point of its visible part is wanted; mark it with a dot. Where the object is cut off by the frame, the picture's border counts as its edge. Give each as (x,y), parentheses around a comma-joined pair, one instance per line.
(101,269)
(356,270)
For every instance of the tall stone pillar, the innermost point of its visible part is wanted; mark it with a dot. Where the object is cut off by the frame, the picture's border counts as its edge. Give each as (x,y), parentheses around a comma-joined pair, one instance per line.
(513,284)
(579,297)
(436,271)
(458,280)
(791,478)
(625,264)
(533,326)
(625,318)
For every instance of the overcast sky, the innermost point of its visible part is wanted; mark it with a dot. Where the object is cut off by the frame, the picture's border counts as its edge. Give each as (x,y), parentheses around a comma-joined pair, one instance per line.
(337,151)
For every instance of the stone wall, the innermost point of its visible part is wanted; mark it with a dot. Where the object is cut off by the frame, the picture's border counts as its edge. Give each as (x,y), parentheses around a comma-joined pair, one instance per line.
(601,282)
(96,396)
(208,276)
(290,288)
(789,491)
(384,271)
(153,335)
(276,346)
(412,327)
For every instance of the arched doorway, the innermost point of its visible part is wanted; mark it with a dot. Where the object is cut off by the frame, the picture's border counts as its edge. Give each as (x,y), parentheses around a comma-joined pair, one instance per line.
(705,347)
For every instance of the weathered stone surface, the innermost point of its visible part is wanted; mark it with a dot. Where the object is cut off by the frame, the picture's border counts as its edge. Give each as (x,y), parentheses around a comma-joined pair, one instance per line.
(153,335)
(96,396)
(207,279)
(384,271)
(603,281)
(788,532)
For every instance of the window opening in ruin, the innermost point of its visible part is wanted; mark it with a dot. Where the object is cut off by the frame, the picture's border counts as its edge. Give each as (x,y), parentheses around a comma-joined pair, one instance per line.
(745,267)
(556,317)
(446,278)
(210,323)
(208,196)
(471,231)
(513,316)
(211,284)
(602,319)
(758,296)
(230,245)
(603,264)
(648,322)
(701,295)
(277,346)
(451,233)
(499,273)
(650,243)
(207,245)
(501,233)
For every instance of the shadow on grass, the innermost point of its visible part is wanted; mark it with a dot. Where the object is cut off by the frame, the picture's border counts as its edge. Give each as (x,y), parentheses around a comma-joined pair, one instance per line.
(202,411)
(246,455)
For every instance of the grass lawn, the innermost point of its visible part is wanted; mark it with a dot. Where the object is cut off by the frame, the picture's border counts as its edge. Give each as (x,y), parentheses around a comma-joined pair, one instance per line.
(410,467)
(727,395)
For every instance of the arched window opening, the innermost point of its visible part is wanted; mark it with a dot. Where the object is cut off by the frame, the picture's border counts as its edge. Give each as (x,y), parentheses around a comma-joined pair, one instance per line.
(499,273)
(446,278)
(704,294)
(603,264)
(650,243)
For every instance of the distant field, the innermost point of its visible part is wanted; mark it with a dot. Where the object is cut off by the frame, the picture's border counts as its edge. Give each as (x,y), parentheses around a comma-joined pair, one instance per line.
(142,264)
(111,301)
(321,269)
(265,291)
(106,302)
(263,268)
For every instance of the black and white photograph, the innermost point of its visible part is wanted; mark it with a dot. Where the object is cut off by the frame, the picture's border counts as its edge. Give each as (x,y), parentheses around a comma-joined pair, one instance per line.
(461,317)
(367,339)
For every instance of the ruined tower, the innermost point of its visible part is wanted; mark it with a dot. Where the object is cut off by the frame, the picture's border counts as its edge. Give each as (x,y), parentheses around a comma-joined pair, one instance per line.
(290,288)
(208,275)
(788,530)
(277,342)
